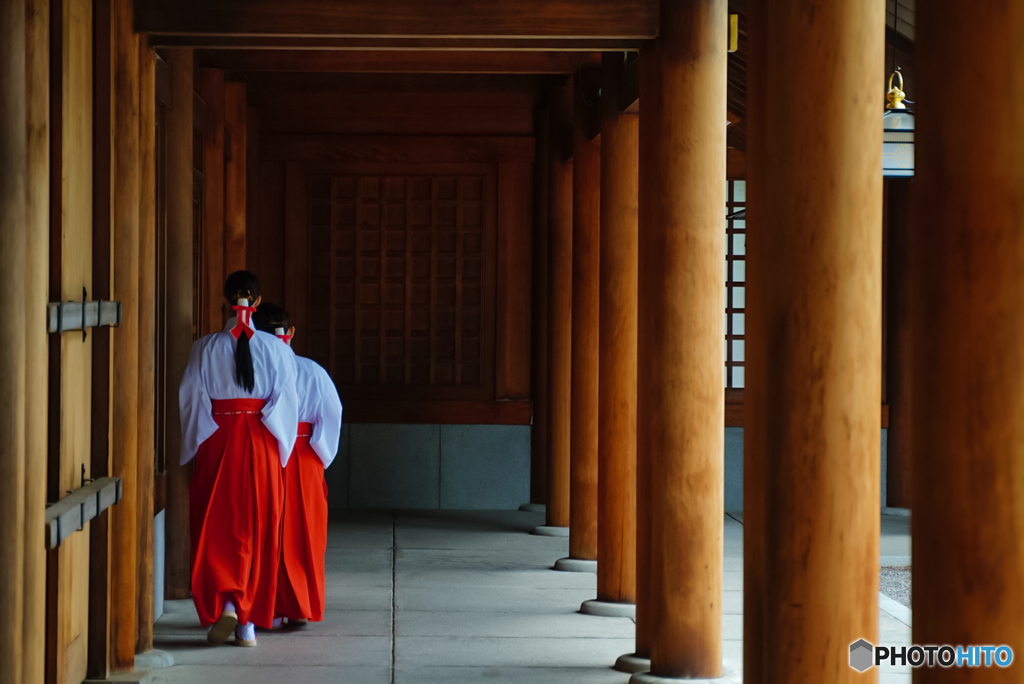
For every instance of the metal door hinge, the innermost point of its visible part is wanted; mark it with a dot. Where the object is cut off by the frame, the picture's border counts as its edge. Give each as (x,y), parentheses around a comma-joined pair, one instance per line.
(64,316)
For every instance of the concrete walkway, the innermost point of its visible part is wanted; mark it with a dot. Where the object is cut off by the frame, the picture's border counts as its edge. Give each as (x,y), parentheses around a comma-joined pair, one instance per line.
(441,596)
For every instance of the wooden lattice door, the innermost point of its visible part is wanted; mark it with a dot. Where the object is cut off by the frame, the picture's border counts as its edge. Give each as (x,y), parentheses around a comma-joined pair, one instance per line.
(401,282)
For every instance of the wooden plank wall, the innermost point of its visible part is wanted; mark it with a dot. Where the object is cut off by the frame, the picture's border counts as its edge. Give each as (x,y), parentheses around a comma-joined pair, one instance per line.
(309,122)
(179,191)
(234,178)
(37,21)
(147,347)
(211,89)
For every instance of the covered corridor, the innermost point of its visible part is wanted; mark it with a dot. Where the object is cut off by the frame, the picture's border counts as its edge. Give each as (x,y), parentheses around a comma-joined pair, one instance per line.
(424,597)
(635,263)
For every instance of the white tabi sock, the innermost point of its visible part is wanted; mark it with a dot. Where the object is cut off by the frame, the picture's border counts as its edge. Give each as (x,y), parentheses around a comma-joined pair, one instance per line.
(246,632)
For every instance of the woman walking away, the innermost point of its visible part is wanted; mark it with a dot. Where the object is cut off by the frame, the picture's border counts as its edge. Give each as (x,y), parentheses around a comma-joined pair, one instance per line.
(300,582)
(238,418)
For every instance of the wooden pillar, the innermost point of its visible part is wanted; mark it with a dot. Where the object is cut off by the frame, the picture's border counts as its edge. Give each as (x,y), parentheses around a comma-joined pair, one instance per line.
(559,307)
(616,516)
(234,179)
(147,345)
(586,278)
(899,350)
(177,579)
(539,329)
(647,220)
(125,384)
(814,340)
(968,328)
(13,160)
(211,89)
(37,22)
(681,345)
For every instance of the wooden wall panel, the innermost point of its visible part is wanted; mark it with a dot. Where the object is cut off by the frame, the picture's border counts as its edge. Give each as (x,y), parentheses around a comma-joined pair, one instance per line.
(399,113)
(147,308)
(296,252)
(37,179)
(234,178)
(102,205)
(211,90)
(381,104)
(124,387)
(514,285)
(253,232)
(71,372)
(322,138)
(179,312)
(404,149)
(13,158)
(401,280)
(269,259)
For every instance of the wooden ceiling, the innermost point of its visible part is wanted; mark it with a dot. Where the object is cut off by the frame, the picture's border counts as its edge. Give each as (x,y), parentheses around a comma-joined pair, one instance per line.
(525,37)
(525,20)
(398,61)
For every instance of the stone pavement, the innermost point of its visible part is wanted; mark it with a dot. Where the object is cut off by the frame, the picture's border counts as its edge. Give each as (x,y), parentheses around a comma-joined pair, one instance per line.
(445,596)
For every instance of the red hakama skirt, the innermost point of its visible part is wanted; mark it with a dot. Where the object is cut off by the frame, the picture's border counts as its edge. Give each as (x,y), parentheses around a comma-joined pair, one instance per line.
(300,584)
(235,500)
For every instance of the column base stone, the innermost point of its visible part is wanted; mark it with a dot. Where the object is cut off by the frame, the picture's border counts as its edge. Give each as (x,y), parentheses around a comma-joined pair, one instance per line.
(728,677)
(631,663)
(576,565)
(551,531)
(609,609)
(533,508)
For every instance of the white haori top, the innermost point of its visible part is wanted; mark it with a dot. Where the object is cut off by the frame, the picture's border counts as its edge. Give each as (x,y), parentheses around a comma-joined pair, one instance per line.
(210,376)
(320,405)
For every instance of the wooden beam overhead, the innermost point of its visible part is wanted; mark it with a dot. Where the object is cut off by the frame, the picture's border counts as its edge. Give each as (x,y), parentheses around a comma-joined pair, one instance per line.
(398,43)
(402,18)
(403,61)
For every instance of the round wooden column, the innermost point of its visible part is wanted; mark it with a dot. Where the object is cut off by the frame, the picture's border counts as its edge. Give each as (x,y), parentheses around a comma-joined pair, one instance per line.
(559,311)
(813,339)
(586,278)
(968,333)
(539,329)
(616,515)
(647,221)
(13,160)
(681,342)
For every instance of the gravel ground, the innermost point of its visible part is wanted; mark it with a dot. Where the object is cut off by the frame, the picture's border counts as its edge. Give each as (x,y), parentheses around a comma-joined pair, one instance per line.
(896,584)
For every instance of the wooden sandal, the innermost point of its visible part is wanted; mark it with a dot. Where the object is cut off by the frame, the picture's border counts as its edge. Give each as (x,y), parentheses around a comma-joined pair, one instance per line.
(223,627)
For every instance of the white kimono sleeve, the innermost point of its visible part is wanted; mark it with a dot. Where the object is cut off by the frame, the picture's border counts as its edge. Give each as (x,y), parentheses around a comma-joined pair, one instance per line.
(194,406)
(327,428)
(281,411)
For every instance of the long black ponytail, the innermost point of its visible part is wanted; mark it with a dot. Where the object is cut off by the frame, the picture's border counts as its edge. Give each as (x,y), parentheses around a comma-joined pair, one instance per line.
(243,285)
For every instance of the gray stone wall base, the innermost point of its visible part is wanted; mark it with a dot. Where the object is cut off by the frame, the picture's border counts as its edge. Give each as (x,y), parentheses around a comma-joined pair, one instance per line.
(551,531)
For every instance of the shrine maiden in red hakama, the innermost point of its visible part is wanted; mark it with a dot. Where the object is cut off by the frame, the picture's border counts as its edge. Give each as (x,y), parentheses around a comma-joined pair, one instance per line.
(300,583)
(240,440)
